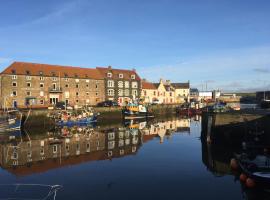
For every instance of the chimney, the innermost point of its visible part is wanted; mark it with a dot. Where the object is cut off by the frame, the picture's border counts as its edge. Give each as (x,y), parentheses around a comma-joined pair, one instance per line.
(133,69)
(109,67)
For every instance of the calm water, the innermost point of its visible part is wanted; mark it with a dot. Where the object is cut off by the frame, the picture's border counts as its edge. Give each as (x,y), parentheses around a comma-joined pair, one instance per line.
(160,160)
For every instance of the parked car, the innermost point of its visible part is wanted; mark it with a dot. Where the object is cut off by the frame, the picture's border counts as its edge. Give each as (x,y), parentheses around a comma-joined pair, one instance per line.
(107,104)
(62,106)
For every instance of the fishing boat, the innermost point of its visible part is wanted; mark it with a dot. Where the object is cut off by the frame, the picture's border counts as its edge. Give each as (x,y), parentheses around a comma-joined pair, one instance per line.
(68,118)
(136,111)
(11,120)
(257,167)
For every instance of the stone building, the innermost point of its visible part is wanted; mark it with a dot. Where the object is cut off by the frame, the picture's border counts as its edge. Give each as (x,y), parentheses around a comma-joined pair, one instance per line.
(120,85)
(40,85)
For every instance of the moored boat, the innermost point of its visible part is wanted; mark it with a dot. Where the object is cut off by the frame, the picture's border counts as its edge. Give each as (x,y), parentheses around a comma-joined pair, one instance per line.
(11,120)
(136,111)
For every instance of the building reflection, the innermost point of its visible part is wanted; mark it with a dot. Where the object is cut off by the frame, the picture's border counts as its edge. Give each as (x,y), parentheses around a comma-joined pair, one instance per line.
(26,154)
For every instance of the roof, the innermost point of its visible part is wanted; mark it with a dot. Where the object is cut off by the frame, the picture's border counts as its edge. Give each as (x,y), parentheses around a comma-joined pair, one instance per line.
(180,85)
(115,73)
(148,86)
(35,69)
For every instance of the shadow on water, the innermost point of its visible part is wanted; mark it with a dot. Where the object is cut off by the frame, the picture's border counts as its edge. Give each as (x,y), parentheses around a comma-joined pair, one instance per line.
(162,154)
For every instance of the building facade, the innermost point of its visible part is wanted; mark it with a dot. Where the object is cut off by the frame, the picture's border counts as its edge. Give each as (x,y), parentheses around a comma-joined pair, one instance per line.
(120,85)
(165,92)
(40,85)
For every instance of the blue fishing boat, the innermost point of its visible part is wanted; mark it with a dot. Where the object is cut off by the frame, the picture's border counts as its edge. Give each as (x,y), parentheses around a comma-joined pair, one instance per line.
(11,120)
(81,118)
(78,122)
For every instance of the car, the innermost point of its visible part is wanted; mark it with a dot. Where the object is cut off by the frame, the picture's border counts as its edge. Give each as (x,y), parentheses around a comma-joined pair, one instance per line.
(107,104)
(62,106)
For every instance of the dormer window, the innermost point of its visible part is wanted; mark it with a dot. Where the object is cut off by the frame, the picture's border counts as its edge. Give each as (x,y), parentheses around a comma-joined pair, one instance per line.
(13,71)
(41,73)
(109,74)
(53,73)
(121,76)
(76,75)
(27,72)
(132,76)
(86,76)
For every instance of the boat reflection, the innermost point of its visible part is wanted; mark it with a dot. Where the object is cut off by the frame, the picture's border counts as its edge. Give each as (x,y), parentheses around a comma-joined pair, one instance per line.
(35,153)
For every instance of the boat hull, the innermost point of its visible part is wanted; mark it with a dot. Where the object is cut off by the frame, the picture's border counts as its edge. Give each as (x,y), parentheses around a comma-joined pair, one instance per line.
(80,122)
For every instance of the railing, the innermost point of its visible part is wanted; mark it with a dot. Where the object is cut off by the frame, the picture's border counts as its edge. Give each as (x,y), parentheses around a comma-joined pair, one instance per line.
(55,89)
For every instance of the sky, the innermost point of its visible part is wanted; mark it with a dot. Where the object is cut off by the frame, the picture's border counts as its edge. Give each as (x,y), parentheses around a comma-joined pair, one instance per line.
(221,44)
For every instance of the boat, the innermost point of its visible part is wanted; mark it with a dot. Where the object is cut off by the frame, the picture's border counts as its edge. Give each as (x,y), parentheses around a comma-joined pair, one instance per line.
(69,118)
(11,120)
(255,167)
(136,111)
(265,103)
(188,109)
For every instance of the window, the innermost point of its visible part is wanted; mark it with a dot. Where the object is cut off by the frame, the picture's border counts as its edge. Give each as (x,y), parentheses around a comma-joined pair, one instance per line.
(27,72)
(66,94)
(28,78)
(132,76)
(120,84)
(28,84)
(77,100)
(14,77)
(96,86)
(77,85)
(154,93)
(145,93)
(110,83)
(120,92)
(134,92)
(14,93)
(87,85)
(13,71)
(66,85)
(121,76)
(41,102)
(77,93)
(14,84)
(170,94)
(87,81)
(110,92)
(126,92)
(96,93)
(28,93)
(66,79)
(41,78)
(109,74)
(41,93)
(55,148)
(41,73)
(126,84)
(134,85)
(54,78)
(87,93)
(41,85)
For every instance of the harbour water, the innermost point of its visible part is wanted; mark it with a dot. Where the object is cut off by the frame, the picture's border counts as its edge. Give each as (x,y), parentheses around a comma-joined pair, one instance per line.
(161,159)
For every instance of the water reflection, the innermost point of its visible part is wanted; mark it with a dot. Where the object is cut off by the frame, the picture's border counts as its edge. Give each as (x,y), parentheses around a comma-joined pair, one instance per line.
(25,154)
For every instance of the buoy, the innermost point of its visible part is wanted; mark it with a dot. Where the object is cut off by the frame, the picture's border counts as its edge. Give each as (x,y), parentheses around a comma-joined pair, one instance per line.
(243,177)
(250,183)
(234,164)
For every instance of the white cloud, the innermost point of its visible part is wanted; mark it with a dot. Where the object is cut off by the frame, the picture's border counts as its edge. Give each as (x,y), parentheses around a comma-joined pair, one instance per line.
(223,68)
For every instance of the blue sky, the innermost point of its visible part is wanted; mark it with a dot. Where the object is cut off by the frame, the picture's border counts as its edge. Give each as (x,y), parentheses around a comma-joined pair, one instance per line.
(224,43)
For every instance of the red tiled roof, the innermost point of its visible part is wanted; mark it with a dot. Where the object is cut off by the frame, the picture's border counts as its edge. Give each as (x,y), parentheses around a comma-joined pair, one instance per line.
(148,86)
(115,73)
(21,68)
